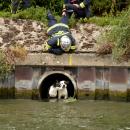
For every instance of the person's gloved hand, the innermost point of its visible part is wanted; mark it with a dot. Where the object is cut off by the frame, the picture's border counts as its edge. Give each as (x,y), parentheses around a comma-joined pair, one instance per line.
(56,51)
(45,46)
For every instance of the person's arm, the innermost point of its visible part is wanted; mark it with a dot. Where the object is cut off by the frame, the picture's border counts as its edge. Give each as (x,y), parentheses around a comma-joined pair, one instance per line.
(84,4)
(67,7)
(57,51)
(73,44)
(52,42)
(53,47)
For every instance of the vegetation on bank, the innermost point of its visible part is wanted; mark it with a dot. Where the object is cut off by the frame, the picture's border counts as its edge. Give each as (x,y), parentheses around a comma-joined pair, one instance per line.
(98,7)
(117,39)
(108,11)
(39,14)
(8,58)
(5,67)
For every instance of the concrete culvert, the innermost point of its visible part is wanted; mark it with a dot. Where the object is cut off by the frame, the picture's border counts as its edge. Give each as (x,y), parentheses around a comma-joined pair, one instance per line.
(50,78)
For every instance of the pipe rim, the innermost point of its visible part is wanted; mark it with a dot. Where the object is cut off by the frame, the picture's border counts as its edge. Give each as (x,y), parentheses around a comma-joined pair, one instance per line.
(46,74)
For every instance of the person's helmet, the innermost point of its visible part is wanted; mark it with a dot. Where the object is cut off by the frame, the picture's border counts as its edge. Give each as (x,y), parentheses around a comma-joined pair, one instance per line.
(65,43)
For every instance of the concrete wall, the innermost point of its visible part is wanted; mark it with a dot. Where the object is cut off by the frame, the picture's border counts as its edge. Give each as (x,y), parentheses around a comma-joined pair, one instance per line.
(104,83)
(7,87)
(27,78)
(107,83)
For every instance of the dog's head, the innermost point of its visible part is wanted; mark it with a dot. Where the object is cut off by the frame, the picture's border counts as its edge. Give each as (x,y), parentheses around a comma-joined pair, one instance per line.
(63,84)
(56,84)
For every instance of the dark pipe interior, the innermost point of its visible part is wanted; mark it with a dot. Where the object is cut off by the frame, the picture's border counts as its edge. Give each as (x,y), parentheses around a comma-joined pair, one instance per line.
(51,79)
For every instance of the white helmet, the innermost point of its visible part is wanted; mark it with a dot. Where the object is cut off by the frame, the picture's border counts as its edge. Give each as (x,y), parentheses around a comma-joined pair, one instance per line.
(65,43)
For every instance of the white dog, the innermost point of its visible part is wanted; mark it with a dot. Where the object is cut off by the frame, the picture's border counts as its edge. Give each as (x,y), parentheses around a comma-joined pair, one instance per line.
(53,90)
(62,90)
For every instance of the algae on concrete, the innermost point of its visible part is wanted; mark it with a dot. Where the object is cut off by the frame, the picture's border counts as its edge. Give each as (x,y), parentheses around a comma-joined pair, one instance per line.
(118,95)
(102,94)
(6,93)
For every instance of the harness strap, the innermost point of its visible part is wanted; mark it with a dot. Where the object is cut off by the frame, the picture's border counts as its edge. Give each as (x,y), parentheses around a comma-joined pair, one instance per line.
(82,5)
(60,33)
(58,24)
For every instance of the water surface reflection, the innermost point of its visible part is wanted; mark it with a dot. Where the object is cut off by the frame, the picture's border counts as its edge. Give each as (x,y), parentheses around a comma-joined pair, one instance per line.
(79,115)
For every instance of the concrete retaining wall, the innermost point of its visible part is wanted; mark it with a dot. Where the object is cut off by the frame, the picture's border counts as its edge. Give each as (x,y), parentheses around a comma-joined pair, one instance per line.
(98,83)
(101,81)
(7,87)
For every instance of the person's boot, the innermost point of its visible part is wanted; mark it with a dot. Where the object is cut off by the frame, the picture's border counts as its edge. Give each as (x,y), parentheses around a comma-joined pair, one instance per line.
(48,14)
(27,4)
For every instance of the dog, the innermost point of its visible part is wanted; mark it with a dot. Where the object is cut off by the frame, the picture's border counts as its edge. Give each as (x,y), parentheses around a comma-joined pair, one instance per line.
(54,90)
(62,90)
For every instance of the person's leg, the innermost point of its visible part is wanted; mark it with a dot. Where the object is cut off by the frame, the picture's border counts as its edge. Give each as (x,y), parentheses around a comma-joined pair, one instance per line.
(26,3)
(14,6)
(87,11)
(51,19)
(80,13)
(65,19)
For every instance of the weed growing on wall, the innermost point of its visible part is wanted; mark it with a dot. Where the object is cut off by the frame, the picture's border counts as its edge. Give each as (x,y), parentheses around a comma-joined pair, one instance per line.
(5,67)
(8,58)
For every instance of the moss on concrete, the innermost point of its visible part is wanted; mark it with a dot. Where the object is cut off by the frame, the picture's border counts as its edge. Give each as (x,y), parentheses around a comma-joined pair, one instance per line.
(27,94)
(11,92)
(83,94)
(118,95)
(102,94)
(98,94)
(35,94)
(128,95)
(23,94)
(6,93)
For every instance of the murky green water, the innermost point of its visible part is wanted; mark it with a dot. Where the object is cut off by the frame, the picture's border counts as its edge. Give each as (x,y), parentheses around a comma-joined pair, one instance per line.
(79,115)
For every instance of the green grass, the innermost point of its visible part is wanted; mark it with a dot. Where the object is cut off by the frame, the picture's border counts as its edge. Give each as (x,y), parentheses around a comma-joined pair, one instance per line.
(5,14)
(119,36)
(38,13)
(103,21)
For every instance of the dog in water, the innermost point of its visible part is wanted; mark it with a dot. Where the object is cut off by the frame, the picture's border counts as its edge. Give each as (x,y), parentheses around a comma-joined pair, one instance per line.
(59,89)
(54,90)
(62,90)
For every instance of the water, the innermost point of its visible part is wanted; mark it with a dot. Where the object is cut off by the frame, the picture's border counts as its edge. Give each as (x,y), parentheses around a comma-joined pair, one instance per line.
(79,115)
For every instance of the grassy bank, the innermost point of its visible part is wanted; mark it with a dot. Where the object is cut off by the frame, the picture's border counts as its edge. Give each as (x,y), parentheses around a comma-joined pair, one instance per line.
(39,14)
(117,39)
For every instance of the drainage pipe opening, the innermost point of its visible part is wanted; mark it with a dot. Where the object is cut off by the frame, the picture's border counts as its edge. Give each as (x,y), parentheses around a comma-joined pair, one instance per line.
(50,78)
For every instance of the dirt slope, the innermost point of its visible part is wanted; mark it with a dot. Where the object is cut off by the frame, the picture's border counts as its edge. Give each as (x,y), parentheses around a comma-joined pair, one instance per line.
(32,35)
